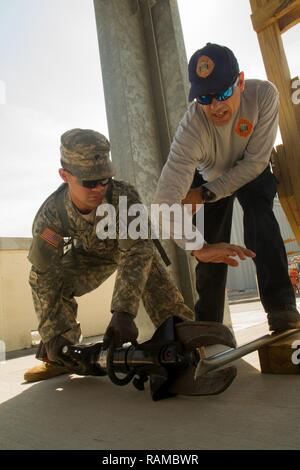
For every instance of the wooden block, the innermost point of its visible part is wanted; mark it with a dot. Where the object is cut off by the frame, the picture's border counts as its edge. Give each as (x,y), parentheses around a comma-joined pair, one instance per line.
(276,358)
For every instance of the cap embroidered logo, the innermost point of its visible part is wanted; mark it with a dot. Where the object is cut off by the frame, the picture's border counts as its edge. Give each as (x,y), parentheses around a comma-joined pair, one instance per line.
(205,67)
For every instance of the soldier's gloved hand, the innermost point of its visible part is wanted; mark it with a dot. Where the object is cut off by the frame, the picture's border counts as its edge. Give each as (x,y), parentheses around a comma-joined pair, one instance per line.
(121,329)
(54,349)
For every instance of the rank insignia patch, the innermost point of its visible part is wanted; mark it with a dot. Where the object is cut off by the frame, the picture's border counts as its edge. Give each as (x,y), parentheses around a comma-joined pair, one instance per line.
(244,128)
(205,66)
(51,237)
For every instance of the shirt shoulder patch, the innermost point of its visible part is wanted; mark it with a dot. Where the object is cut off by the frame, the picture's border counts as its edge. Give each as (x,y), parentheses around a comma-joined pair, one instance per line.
(51,237)
(244,128)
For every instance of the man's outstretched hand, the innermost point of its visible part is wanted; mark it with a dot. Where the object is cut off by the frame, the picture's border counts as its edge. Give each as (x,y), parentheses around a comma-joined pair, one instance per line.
(222,253)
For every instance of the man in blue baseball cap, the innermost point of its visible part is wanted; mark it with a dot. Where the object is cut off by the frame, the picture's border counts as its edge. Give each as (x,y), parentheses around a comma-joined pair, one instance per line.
(222,148)
(211,70)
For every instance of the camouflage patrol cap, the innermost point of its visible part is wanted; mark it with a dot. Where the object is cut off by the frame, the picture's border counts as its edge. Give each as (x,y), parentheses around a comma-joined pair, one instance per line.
(85,154)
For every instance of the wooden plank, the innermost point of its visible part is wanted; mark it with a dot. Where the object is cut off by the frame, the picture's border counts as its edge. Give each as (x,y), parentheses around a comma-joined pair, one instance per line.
(287,205)
(289,20)
(285,194)
(268,12)
(281,172)
(276,358)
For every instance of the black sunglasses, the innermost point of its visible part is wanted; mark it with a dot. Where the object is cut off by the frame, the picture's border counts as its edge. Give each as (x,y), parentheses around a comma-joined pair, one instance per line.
(223,96)
(91,184)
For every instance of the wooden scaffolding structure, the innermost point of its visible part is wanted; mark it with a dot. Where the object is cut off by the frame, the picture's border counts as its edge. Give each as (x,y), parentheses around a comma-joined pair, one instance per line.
(270,19)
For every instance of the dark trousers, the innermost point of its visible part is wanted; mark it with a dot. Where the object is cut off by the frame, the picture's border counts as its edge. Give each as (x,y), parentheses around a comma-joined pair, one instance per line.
(261,234)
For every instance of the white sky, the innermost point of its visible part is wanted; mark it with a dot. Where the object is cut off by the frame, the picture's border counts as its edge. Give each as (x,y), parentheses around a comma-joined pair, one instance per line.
(50,81)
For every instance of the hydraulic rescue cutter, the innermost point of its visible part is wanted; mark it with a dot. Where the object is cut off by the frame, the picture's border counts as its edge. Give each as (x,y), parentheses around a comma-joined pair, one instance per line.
(174,360)
(168,360)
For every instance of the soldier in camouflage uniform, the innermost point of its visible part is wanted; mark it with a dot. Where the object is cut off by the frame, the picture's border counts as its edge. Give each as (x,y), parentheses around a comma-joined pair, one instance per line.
(58,275)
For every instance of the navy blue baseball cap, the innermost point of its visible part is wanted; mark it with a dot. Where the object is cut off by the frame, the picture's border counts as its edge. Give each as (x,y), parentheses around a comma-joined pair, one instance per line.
(212,69)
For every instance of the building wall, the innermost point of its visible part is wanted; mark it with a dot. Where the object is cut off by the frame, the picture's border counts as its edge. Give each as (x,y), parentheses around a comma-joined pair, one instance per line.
(244,277)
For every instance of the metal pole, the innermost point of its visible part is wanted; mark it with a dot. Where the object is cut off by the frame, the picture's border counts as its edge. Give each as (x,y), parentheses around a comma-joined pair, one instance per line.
(221,359)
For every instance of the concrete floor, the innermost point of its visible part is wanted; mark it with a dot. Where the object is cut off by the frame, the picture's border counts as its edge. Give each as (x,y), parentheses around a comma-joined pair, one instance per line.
(71,412)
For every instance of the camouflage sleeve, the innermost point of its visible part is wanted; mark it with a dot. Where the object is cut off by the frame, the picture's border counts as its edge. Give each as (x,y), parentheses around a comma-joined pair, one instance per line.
(134,266)
(46,277)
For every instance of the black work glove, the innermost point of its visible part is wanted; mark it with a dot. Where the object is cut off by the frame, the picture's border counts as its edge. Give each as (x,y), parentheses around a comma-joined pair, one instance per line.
(54,349)
(121,329)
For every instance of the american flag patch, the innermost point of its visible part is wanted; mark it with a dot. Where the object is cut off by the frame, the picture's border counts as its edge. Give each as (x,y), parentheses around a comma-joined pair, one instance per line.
(51,237)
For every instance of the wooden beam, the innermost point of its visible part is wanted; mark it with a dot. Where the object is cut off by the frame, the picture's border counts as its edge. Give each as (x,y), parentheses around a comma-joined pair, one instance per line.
(281,172)
(266,18)
(289,20)
(285,194)
(278,72)
(267,12)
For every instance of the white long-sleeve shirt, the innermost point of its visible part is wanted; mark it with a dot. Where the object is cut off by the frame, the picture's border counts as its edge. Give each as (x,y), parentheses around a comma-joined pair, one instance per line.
(229,156)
